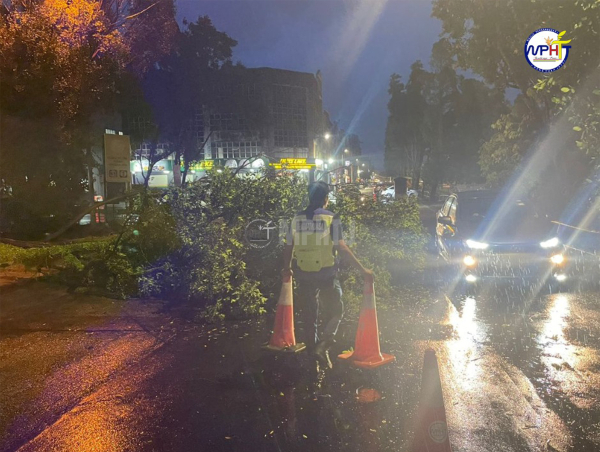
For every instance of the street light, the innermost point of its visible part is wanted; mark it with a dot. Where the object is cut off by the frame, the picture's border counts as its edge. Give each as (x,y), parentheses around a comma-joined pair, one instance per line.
(330,161)
(326,136)
(345,151)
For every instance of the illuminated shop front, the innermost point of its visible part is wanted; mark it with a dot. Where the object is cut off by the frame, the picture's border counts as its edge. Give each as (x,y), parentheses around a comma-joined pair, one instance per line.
(165,172)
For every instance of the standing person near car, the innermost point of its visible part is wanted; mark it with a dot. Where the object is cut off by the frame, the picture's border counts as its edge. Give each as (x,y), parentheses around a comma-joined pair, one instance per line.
(315,239)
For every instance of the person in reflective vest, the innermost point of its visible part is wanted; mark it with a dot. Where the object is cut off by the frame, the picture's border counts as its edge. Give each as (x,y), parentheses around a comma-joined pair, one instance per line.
(315,239)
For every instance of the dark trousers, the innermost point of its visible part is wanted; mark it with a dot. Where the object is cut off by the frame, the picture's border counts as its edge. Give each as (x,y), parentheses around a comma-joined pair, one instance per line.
(325,294)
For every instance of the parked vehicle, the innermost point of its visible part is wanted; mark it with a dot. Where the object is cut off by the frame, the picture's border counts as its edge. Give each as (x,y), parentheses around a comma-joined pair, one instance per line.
(488,237)
(355,189)
(390,193)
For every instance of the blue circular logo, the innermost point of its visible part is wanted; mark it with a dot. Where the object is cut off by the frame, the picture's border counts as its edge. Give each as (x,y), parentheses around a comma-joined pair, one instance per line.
(546,49)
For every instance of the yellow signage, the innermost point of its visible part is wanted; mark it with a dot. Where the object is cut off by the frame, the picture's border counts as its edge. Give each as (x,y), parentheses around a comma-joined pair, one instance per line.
(290,163)
(202,165)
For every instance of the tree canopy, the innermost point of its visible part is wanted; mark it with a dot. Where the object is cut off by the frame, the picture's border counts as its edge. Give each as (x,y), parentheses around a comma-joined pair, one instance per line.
(487,39)
(61,65)
(437,123)
(184,81)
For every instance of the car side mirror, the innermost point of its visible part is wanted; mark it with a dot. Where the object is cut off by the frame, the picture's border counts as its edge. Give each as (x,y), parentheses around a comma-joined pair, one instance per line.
(447,221)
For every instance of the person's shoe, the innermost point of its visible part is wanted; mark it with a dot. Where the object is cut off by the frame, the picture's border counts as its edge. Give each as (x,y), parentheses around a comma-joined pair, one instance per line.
(322,353)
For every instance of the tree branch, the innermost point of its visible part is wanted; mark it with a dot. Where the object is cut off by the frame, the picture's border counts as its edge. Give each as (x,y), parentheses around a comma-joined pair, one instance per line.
(133,16)
(89,209)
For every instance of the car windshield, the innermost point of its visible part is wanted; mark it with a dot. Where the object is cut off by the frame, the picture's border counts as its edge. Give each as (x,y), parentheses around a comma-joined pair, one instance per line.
(506,221)
(474,210)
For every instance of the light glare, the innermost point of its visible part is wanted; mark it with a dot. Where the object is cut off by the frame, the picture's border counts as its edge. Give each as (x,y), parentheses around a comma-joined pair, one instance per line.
(477,245)
(469,261)
(553,242)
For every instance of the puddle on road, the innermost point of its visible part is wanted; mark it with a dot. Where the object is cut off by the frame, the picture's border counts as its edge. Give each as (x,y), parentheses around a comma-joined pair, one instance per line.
(465,349)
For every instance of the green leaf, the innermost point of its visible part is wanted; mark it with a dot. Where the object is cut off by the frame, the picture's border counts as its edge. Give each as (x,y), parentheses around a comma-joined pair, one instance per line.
(565,89)
(577,129)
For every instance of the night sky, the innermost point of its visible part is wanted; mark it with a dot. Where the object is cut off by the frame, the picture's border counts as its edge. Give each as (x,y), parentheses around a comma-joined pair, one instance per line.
(357,45)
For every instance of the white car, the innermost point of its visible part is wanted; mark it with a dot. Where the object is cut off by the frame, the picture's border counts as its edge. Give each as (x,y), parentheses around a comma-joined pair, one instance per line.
(390,193)
(412,193)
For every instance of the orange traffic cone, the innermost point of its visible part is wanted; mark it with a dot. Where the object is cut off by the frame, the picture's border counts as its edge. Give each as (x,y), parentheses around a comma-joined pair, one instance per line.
(366,352)
(431,432)
(283,338)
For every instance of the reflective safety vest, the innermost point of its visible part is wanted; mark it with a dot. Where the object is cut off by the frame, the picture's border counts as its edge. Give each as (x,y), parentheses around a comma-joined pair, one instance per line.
(313,244)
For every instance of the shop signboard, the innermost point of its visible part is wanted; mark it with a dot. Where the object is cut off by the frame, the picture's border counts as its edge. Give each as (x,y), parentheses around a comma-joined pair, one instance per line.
(158,181)
(138,166)
(293,164)
(163,165)
(202,165)
(117,157)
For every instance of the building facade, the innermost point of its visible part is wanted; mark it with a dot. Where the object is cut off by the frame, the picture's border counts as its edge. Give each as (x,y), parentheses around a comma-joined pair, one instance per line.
(250,112)
(262,111)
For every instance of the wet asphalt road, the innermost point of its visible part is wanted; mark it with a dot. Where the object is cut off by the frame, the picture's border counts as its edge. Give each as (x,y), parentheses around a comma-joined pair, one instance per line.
(520,372)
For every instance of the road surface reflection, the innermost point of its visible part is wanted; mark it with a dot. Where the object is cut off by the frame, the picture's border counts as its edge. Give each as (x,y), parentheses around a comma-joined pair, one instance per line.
(463,349)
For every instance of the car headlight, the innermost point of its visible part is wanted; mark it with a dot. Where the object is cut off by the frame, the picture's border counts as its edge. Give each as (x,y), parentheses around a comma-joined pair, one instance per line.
(557,259)
(552,243)
(469,261)
(477,245)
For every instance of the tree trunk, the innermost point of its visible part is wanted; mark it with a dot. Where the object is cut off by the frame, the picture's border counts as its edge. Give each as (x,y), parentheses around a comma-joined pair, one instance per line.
(433,193)
(416,176)
(177,170)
